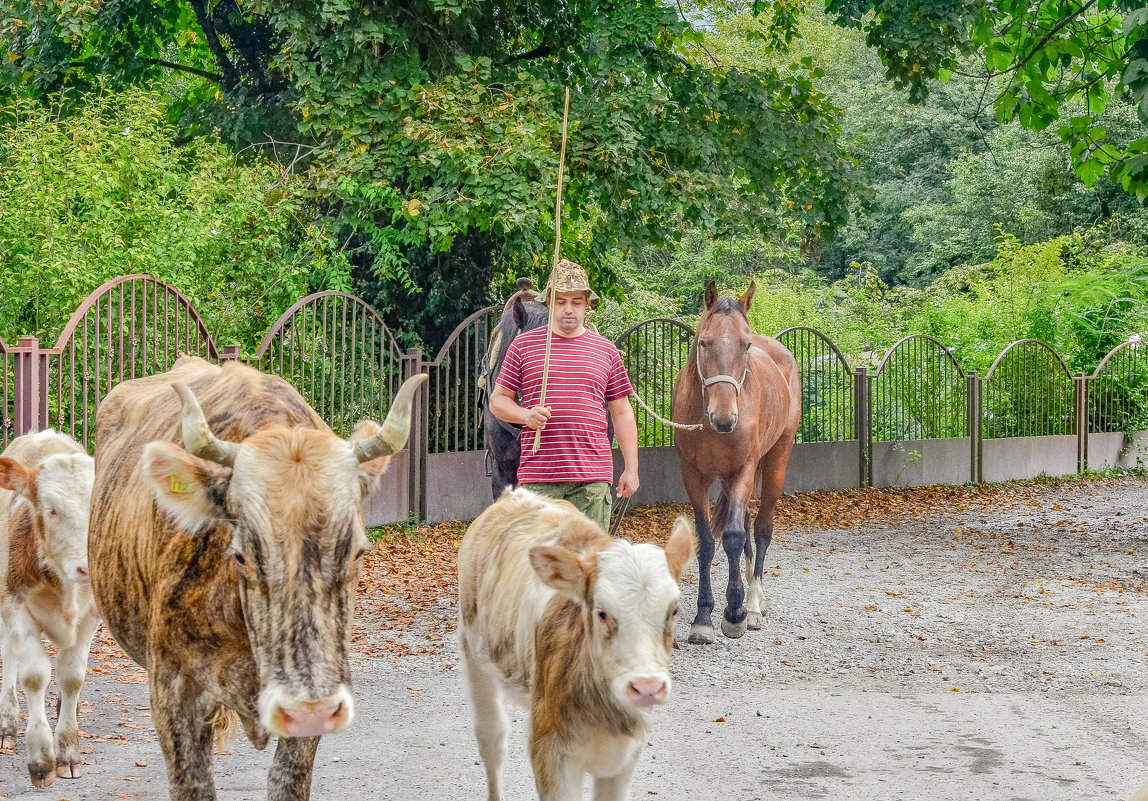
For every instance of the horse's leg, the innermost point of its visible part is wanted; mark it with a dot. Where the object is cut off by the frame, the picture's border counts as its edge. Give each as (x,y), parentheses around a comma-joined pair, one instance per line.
(702,630)
(753,595)
(772,469)
(733,538)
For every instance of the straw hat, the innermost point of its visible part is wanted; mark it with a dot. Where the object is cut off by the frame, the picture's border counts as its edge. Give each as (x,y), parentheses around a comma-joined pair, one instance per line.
(569,277)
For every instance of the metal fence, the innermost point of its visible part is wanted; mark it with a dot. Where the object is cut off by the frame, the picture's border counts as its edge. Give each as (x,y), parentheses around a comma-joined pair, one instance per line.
(340,354)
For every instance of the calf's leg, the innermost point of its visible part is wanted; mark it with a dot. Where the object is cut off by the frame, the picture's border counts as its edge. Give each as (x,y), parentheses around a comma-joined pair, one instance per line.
(617,787)
(290,776)
(9,702)
(35,671)
(71,664)
(490,723)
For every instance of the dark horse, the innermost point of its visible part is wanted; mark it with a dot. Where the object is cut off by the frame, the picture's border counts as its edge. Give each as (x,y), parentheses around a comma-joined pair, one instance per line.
(521,313)
(744,390)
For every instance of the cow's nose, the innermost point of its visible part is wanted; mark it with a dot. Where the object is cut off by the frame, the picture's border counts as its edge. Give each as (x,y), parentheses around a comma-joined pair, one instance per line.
(83,576)
(312,718)
(647,692)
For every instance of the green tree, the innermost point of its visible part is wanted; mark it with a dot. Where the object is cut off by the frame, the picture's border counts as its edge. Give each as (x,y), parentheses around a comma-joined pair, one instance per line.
(104,193)
(1039,59)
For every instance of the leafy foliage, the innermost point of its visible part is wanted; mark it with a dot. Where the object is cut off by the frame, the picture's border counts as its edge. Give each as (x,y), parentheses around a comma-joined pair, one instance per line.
(87,198)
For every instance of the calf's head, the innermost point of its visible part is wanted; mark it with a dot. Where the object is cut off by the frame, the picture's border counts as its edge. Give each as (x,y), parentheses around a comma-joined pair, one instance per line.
(629,594)
(292,499)
(59,492)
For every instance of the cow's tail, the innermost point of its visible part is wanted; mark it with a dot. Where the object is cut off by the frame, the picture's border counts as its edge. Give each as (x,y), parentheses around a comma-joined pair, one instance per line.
(224,727)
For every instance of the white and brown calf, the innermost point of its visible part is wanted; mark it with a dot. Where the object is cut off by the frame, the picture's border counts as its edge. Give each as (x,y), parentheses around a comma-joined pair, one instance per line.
(45,496)
(574,624)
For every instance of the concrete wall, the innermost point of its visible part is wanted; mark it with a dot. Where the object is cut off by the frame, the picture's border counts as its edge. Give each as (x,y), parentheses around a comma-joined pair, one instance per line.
(823,465)
(1106,451)
(1012,458)
(391,501)
(940,461)
(459,489)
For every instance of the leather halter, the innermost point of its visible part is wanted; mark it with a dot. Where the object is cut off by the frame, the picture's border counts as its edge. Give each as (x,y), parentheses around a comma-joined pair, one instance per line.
(720,379)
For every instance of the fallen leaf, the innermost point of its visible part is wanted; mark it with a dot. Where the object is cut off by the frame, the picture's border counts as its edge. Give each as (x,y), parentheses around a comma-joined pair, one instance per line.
(817,745)
(719,720)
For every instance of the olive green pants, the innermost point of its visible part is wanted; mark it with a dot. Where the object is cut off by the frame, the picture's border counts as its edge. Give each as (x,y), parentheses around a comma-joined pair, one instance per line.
(592,499)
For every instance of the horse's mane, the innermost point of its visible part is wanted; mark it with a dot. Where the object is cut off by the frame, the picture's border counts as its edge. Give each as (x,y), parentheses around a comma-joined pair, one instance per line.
(727,306)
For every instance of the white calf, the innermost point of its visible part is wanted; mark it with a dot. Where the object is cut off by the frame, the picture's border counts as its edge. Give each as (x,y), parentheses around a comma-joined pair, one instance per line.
(574,624)
(45,495)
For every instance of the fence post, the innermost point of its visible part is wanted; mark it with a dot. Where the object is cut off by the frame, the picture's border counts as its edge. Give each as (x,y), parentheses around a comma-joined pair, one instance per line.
(1080,421)
(863,426)
(975,407)
(30,387)
(412,362)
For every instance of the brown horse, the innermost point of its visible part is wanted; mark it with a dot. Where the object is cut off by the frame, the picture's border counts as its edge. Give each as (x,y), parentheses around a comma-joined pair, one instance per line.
(745,391)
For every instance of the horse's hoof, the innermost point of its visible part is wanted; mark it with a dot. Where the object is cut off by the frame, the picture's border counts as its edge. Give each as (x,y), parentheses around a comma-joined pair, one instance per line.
(753,621)
(701,634)
(732,630)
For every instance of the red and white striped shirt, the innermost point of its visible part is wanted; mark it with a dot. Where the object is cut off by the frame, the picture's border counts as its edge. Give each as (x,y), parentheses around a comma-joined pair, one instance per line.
(585,372)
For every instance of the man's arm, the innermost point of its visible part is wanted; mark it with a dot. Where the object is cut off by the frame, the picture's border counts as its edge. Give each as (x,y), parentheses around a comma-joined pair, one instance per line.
(505,407)
(626,431)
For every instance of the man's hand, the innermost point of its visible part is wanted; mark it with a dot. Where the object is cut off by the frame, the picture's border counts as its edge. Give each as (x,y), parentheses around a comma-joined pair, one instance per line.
(627,483)
(537,417)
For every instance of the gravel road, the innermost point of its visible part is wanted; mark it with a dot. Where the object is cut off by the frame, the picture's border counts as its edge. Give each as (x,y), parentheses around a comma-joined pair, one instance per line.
(975,651)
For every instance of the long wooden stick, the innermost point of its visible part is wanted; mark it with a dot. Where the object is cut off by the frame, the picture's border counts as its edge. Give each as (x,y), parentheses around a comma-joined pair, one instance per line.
(553,265)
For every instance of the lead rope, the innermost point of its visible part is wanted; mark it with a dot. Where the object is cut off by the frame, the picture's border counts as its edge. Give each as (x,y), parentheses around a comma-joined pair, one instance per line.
(623,507)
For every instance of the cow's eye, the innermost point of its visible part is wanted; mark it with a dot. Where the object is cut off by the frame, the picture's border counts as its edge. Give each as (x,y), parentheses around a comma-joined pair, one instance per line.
(603,615)
(362,552)
(53,513)
(239,558)
(674,613)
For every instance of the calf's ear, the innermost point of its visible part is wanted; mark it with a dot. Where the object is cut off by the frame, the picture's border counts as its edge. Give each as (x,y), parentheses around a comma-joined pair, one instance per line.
(680,548)
(18,478)
(562,570)
(192,491)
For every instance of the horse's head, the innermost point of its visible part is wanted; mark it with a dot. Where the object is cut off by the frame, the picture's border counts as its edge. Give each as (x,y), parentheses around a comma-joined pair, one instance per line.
(521,313)
(721,354)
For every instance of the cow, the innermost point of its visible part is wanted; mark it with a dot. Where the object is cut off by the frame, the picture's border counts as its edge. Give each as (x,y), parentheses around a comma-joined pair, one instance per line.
(576,626)
(45,496)
(227,565)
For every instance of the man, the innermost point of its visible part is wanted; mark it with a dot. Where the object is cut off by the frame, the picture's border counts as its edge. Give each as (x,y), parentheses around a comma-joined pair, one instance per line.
(586,376)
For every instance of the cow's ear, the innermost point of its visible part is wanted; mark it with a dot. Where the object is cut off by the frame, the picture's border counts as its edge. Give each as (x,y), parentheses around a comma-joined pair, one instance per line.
(562,570)
(711,293)
(369,472)
(746,300)
(192,491)
(18,478)
(680,548)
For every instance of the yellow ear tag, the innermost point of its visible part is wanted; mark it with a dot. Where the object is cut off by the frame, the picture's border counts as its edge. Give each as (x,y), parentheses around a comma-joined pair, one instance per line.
(177,486)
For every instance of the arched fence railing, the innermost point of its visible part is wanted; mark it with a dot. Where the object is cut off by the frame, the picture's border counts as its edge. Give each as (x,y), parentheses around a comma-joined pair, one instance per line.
(340,354)
(454,410)
(828,403)
(918,392)
(1028,392)
(337,351)
(653,352)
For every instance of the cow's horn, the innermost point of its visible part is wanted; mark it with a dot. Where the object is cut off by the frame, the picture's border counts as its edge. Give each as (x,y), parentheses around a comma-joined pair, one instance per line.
(197,437)
(396,428)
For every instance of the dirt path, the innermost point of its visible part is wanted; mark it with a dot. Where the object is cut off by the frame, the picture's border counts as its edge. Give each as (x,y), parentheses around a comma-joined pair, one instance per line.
(932,644)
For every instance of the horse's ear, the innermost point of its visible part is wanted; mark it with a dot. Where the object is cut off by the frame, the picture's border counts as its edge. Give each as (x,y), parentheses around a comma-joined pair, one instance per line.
(519,314)
(746,300)
(711,294)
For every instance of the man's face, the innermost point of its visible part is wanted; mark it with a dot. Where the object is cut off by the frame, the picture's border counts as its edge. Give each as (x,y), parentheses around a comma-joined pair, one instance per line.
(570,312)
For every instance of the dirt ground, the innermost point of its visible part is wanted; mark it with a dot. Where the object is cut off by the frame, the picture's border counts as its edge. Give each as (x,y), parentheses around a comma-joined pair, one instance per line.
(922,644)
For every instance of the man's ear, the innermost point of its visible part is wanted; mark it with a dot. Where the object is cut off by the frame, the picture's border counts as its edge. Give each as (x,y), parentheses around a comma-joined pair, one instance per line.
(192,491)
(18,478)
